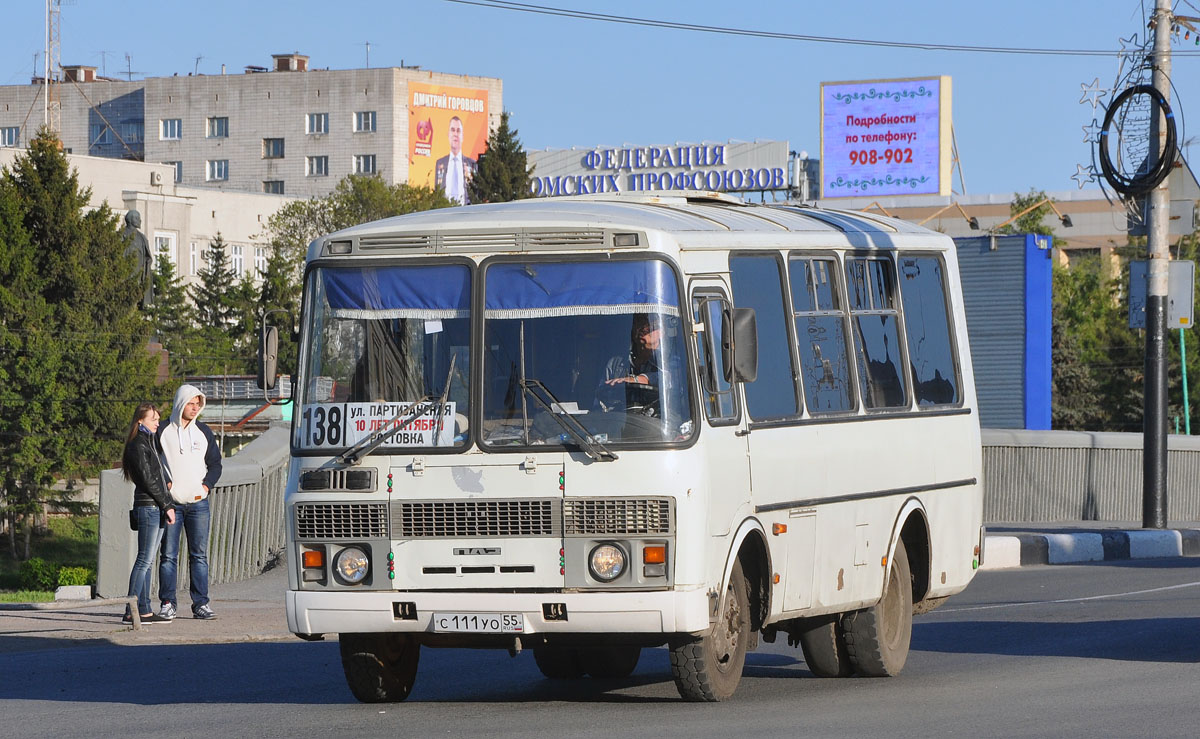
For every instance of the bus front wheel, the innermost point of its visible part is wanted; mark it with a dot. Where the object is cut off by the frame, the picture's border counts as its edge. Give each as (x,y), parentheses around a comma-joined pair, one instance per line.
(380,668)
(878,637)
(709,668)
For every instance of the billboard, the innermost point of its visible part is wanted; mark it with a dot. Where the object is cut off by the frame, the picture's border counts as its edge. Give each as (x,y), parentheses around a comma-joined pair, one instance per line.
(738,166)
(447,131)
(885,137)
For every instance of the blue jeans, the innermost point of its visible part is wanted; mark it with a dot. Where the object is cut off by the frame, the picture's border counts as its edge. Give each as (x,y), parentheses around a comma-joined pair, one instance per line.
(149,521)
(194,518)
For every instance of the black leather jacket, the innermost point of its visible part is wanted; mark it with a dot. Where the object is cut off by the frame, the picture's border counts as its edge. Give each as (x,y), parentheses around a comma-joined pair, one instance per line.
(149,487)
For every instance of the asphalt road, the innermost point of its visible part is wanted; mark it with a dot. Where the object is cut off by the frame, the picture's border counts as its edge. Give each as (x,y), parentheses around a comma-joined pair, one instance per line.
(1067,651)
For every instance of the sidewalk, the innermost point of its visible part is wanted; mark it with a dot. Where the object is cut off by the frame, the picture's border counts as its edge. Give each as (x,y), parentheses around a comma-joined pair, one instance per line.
(251,610)
(1023,544)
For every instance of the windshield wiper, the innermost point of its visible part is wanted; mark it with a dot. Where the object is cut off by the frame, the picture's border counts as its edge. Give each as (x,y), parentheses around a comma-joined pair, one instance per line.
(594,449)
(365,446)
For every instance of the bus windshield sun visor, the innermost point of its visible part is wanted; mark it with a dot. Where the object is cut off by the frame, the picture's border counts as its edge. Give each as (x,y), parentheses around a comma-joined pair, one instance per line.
(548,290)
(429,292)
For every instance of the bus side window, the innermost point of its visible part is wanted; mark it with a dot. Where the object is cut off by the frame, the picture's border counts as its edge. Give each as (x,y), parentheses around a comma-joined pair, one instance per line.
(931,356)
(758,284)
(716,393)
(876,319)
(820,316)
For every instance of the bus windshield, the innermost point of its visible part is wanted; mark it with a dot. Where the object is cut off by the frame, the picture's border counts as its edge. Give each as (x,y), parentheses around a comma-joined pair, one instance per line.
(591,344)
(381,344)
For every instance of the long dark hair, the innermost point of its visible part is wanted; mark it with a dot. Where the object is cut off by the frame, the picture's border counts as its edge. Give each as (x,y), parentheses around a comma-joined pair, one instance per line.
(127,459)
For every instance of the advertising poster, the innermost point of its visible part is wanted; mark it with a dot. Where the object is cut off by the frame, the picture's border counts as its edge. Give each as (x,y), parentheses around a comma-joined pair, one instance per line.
(447,131)
(885,137)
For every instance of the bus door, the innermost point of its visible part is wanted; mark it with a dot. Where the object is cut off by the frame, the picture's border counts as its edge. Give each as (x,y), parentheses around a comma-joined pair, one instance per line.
(723,441)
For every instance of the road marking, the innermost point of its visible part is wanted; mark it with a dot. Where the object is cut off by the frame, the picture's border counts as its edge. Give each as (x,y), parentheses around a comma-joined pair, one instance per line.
(1070,600)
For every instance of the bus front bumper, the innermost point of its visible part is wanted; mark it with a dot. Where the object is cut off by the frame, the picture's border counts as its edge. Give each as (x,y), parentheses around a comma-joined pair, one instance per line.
(658,612)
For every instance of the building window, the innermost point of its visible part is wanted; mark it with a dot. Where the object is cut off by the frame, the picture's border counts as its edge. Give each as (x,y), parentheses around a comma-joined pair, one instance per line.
(318,123)
(364,164)
(260,261)
(132,131)
(217,170)
(273,187)
(316,166)
(192,256)
(178,170)
(100,134)
(171,129)
(237,261)
(164,247)
(10,136)
(272,149)
(364,121)
(218,127)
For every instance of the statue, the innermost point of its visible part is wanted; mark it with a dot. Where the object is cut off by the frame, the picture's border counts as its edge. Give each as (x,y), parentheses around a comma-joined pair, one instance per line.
(139,250)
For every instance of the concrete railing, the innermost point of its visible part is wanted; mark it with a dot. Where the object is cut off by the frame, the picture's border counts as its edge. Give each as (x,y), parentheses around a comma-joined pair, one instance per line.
(247,519)
(1046,476)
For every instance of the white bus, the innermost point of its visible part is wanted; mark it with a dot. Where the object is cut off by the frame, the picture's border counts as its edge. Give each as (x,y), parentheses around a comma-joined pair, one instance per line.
(587,426)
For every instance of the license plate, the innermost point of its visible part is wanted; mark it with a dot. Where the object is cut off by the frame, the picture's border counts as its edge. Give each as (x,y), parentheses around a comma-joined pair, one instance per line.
(480,623)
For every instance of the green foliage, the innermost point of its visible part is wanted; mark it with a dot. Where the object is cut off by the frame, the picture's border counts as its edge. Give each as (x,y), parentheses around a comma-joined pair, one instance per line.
(76,576)
(38,574)
(1030,222)
(212,297)
(70,332)
(503,172)
(27,596)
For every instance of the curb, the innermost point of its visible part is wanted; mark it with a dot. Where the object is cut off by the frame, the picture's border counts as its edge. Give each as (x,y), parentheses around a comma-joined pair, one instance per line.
(1023,550)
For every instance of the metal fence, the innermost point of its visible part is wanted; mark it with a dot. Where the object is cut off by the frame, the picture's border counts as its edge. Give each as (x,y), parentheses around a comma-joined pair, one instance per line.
(1048,476)
(247,530)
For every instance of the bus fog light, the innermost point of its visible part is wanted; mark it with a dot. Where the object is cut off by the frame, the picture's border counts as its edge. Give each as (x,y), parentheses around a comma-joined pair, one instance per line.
(351,564)
(607,562)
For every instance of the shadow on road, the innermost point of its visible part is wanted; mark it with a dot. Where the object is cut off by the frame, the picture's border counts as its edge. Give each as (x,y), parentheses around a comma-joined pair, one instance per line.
(1134,640)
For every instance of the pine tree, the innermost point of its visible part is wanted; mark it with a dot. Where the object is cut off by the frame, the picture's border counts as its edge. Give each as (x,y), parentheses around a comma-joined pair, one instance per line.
(172,317)
(212,297)
(280,290)
(503,173)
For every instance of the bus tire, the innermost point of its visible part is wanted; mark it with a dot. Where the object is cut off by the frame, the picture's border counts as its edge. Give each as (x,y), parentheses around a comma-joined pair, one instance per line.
(877,638)
(558,663)
(380,668)
(824,647)
(709,668)
(610,663)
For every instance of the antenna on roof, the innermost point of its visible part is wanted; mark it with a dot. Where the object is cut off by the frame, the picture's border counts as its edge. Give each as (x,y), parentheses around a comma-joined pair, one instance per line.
(368,45)
(196,69)
(129,67)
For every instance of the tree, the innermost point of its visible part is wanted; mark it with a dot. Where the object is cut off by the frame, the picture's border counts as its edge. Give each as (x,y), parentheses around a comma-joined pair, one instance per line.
(214,308)
(1031,222)
(172,316)
(78,360)
(503,173)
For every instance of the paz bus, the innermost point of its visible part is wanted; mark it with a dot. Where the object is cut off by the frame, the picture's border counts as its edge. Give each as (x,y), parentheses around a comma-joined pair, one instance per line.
(588,426)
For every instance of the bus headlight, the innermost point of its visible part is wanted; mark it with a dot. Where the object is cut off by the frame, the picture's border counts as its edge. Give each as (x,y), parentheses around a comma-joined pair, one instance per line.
(351,564)
(607,562)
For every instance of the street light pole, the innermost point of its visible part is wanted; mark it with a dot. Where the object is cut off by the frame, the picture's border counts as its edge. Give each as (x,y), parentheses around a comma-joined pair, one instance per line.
(1154,439)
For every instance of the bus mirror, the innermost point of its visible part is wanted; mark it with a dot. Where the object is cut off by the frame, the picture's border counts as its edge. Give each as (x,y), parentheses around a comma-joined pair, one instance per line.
(268,357)
(739,345)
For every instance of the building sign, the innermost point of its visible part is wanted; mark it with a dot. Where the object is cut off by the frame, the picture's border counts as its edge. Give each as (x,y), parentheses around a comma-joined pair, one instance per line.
(447,131)
(885,137)
(731,167)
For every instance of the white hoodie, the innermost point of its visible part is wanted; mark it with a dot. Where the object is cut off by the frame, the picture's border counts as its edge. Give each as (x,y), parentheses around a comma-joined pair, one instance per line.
(191,455)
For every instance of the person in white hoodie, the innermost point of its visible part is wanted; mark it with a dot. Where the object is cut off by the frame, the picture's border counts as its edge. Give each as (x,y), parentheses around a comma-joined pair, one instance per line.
(192,462)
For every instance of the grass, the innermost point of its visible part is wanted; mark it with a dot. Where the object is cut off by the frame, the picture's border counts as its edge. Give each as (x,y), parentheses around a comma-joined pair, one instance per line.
(27,596)
(72,541)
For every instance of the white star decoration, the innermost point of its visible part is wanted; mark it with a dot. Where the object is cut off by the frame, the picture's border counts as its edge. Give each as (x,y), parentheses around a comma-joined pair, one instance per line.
(1128,43)
(1091,132)
(1083,175)
(1093,91)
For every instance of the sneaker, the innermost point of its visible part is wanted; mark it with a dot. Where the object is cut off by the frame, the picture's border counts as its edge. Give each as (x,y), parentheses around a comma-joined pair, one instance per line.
(203,612)
(167,612)
(153,618)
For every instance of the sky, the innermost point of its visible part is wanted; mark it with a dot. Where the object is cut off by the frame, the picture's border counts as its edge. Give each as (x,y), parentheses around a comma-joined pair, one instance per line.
(569,82)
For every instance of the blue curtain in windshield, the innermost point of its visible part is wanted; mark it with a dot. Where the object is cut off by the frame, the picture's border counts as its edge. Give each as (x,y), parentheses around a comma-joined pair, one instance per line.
(543,289)
(432,292)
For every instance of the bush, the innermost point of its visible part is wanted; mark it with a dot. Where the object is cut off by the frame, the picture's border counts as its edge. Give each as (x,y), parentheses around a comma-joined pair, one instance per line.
(38,574)
(76,576)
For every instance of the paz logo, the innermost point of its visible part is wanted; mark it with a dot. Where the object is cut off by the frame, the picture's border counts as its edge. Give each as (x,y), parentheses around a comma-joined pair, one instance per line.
(425,131)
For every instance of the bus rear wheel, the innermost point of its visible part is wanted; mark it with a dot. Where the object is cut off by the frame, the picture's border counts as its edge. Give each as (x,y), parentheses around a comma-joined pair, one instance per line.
(709,668)
(380,668)
(610,663)
(877,638)
(824,647)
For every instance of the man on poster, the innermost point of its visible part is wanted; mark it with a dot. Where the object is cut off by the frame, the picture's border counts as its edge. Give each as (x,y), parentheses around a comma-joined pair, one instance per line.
(453,171)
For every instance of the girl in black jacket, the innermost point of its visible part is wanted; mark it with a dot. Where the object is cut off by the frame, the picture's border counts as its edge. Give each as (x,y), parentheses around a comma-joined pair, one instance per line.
(151,504)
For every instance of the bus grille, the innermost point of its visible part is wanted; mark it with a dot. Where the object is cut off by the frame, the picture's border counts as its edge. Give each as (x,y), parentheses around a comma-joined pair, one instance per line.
(474,518)
(341,521)
(611,516)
